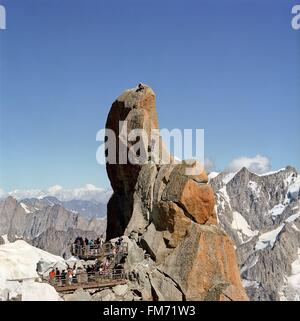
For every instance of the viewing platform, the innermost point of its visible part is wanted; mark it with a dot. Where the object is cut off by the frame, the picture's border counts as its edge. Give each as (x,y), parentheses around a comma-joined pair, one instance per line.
(107,270)
(91,252)
(93,280)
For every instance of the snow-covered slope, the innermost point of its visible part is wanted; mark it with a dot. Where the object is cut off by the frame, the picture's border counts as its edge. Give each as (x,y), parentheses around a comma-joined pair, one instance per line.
(18,261)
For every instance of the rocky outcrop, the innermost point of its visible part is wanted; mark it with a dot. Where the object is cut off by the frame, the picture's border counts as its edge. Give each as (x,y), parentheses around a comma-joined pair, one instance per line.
(134,109)
(167,213)
(261,214)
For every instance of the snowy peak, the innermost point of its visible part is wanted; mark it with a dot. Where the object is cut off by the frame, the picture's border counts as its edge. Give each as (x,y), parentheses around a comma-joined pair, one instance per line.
(261,213)
(88,192)
(245,173)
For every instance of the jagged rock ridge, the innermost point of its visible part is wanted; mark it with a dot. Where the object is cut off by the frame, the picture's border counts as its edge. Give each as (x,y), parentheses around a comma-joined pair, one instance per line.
(50,227)
(261,214)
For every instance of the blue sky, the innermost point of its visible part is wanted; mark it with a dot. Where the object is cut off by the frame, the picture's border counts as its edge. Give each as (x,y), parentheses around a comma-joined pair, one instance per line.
(231,67)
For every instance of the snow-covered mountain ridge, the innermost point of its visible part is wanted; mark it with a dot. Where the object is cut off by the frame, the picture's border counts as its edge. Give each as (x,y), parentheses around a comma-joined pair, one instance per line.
(261,213)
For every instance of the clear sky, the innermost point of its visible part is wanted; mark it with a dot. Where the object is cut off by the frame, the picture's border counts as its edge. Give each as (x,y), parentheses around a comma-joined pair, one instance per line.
(231,67)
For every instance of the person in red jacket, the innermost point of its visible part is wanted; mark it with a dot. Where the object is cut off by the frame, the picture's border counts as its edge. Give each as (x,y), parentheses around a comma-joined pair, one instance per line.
(52,276)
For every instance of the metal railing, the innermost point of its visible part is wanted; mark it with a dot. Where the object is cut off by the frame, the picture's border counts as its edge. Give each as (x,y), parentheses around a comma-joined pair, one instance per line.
(85,278)
(105,249)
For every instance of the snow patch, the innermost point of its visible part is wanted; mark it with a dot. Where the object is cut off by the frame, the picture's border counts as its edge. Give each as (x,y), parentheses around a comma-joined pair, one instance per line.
(223,197)
(250,264)
(5,238)
(228,177)
(254,188)
(212,175)
(37,291)
(248,284)
(277,210)
(292,218)
(25,207)
(240,224)
(18,261)
(268,238)
(272,172)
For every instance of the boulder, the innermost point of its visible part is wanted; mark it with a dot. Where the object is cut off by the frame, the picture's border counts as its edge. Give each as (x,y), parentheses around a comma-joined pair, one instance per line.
(153,242)
(78,295)
(191,193)
(120,289)
(165,288)
(104,295)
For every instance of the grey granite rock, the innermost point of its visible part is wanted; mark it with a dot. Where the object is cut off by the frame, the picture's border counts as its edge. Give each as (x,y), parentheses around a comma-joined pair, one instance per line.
(261,214)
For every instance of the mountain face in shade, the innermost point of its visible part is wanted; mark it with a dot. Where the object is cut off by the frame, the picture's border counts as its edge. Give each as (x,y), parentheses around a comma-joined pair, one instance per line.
(49,226)
(261,214)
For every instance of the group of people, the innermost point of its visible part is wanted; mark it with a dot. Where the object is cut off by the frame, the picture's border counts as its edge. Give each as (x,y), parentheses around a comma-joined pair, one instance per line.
(86,242)
(85,246)
(84,274)
(109,262)
(64,277)
(93,247)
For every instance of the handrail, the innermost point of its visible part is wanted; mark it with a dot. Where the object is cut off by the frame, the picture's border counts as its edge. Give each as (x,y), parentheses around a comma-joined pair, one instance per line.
(96,249)
(87,277)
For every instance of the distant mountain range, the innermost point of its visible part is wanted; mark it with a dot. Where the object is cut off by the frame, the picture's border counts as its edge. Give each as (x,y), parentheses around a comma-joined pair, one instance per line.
(89,201)
(46,223)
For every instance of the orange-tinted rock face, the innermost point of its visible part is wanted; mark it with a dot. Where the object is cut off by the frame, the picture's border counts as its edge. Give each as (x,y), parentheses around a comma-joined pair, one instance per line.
(215,270)
(136,109)
(204,265)
(171,211)
(174,221)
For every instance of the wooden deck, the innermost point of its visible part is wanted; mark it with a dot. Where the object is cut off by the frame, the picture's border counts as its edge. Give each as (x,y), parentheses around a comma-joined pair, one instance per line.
(89,285)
